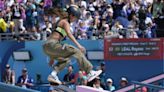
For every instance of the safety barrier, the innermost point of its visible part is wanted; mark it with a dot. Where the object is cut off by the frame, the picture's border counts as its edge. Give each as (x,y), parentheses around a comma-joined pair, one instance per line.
(143,83)
(150,87)
(13,36)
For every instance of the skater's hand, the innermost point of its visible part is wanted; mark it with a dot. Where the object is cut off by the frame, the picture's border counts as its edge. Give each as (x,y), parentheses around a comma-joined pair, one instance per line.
(82,49)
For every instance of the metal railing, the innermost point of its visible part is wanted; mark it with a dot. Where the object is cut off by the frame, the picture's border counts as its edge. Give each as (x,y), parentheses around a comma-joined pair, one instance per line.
(149,87)
(126,32)
(148,81)
(13,36)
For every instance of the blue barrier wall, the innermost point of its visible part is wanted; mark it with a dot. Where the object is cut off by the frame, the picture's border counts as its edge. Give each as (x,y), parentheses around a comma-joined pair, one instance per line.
(134,70)
(6,49)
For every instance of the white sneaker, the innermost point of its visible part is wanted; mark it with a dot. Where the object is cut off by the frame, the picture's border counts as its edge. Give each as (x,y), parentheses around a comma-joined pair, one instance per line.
(93,74)
(54,78)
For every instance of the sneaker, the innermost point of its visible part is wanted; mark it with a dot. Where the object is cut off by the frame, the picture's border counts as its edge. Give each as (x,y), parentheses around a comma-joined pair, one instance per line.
(54,78)
(93,74)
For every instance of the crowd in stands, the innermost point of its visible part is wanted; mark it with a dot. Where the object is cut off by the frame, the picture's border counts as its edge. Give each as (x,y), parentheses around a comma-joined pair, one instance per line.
(99,19)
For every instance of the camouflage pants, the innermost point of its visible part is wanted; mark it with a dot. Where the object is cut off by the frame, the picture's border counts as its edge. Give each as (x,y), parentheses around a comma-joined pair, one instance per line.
(55,50)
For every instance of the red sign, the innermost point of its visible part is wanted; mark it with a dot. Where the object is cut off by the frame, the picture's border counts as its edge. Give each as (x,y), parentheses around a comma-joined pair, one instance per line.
(133,49)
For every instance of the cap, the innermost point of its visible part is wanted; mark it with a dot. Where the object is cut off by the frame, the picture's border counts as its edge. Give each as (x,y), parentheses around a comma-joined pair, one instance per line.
(109,80)
(123,79)
(24,70)
(7,66)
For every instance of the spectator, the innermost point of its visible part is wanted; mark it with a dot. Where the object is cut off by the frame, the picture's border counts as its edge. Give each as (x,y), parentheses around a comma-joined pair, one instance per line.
(47,3)
(17,11)
(30,16)
(109,17)
(123,20)
(8,19)
(88,19)
(117,8)
(123,82)
(128,8)
(97,83)
(83,3)
(159,23)
(2,4)
(133,20)
(102,75)
(80,77)
(157,8)
(25,81)
(69,78)
(142,18)
(46,30)
(151,28)
(110,86)
(84,12)
(131,33)
(97,19)
(82,29)
(115,30)
(103,28)
(9,75)
(84,81)
(3,25)
(137,5)
(142,89)
(9,3)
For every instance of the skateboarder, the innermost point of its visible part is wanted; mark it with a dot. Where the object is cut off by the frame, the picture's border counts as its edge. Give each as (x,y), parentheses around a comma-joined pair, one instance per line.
(56,50)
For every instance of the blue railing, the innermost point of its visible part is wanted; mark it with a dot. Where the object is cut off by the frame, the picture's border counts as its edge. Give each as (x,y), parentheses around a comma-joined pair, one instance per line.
(149,87)
(155,84)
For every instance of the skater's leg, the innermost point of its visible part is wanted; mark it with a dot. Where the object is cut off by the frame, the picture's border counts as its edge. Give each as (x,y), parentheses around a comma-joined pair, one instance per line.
(84,64)
(62,63)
